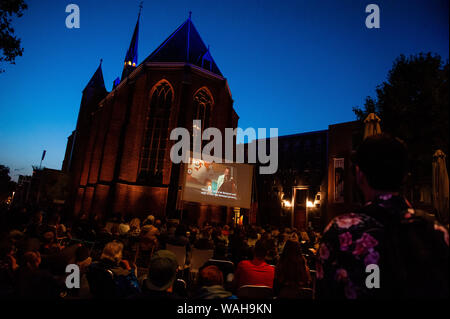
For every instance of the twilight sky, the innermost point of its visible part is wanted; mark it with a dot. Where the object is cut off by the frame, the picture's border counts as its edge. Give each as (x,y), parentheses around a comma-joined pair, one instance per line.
(295,65)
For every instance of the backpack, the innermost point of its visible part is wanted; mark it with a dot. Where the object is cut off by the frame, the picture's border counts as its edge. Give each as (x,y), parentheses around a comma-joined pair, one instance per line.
(126,285)
(107,283)
(414,256)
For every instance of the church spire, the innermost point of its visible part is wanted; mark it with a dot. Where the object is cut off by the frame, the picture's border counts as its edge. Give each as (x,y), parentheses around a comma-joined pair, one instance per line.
(97,81)
(132,54)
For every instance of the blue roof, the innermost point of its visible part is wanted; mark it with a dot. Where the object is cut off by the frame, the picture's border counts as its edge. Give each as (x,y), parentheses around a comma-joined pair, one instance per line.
(184,45)
(96,81)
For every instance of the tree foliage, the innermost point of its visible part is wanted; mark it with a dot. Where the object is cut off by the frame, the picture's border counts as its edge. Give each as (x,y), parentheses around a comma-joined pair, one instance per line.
(9,43)
(413,105)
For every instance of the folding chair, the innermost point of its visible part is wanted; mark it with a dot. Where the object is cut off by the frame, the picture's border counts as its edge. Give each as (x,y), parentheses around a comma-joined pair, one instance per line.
(198,258)
(180,253)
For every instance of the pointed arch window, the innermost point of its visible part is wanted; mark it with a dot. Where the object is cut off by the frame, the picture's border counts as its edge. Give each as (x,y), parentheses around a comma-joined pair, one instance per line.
(154,146)
(203,103)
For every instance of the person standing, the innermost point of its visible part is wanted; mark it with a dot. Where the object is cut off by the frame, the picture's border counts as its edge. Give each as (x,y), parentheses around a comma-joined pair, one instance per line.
(387,249)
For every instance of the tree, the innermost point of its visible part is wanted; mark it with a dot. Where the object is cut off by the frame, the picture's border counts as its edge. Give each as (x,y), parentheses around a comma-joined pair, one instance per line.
(9,43)
(413,105)
(6,185)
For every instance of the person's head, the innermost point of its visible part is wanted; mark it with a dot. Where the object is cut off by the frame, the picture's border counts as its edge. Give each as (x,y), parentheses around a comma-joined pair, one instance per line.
(292,266)
(210,276)
(204,234)
(6,249)
(227,173)
(162,271)
(381,164)
(61,229)
(115,230)
(149,220)
(266,236)
(135,223)
(32,259)
(220,250)
(38,217)
(283,237)
(123,228)
(252,234)
(291,251)
(260,251)
(293,237)
(48,237)
(113,251)
(55,219)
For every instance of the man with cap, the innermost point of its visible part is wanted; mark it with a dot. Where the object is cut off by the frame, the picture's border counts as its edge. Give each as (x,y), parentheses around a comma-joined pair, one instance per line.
(162,274)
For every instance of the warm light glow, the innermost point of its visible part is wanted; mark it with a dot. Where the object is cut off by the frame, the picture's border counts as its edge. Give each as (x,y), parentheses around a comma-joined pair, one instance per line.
(134,64)
(129,62)
(309,203)
(287,203)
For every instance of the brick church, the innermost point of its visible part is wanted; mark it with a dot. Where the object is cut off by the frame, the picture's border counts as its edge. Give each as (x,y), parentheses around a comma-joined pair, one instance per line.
(118,156)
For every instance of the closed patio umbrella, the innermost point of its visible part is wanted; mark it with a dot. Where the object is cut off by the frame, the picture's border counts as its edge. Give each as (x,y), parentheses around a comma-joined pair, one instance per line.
(440,187)
(371,125)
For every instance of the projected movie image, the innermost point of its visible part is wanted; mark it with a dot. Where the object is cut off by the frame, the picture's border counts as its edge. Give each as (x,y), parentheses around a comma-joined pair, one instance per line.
(226,184)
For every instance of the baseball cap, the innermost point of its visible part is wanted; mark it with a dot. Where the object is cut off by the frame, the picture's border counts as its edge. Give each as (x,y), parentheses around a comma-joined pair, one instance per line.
(162,270)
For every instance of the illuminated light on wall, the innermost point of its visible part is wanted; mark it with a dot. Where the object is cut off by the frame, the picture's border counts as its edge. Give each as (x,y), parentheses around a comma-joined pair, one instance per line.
(287,203)
(309,203)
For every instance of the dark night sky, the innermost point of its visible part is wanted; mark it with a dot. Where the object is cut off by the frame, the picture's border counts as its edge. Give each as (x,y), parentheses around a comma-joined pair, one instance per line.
(295,65)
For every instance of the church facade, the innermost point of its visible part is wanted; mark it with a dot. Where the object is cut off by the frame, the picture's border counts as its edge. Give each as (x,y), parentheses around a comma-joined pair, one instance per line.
(118,156)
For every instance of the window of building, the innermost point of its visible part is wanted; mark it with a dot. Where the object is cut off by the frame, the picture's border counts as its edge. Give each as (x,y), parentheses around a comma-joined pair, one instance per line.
(207,61)
(203,102)
(156,132)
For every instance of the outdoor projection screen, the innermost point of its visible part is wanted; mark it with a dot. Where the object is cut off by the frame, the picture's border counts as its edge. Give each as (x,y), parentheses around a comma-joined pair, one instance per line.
(223,184)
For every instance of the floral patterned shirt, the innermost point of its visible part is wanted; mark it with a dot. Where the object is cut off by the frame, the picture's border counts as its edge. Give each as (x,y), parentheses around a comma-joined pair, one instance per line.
(351,242)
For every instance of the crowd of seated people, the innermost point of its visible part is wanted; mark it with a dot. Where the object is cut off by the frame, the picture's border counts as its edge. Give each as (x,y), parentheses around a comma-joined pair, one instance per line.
(151,258)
